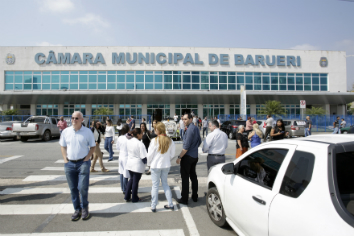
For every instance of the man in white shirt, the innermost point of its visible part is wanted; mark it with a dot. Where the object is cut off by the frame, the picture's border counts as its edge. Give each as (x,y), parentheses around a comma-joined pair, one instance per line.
(175,118)
(218,121)
(181,128)
(215,145)
(205,126)
(269,123)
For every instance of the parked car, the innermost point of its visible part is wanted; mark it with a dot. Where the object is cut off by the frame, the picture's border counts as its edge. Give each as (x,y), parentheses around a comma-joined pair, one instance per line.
(6,130)
(345,130)
(37,127)
(295,127)
(274,188)
(230,127)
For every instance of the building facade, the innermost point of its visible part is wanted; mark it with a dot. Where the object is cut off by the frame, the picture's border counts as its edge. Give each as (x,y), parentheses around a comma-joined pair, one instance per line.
(162,81)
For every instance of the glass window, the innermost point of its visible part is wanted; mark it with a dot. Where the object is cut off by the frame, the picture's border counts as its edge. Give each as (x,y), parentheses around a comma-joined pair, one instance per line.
(223,79)
(149,78)
(323,79)
(177,79)
(231,79)
(231,86)
(74,79)
(130,86)
(205,78)
(315,80)
(205,86)
(195,78)
(158,78)
(101,78)
(186,78)
(240,79)
(186,86)
(213,79)
(167,86)
(101,86)
(140,78)
(324,88)
(298,174)
(64,79)
(139,86)
(214,87)
(130,78)
(262,167)
(265,79)
(167,78)
(222,86)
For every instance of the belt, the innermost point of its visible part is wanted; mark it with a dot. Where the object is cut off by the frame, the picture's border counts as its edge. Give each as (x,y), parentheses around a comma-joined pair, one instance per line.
(218,155)
(76,160)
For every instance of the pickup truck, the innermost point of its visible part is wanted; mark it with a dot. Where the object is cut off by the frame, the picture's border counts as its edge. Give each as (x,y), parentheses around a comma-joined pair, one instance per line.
(37,127)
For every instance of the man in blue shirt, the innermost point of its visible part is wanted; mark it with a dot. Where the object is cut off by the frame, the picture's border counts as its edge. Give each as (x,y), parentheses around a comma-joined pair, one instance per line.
(188,159)
(77,146)
(132,123)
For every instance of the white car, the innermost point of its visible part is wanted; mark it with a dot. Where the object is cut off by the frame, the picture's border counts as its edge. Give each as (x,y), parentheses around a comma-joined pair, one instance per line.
(288,187)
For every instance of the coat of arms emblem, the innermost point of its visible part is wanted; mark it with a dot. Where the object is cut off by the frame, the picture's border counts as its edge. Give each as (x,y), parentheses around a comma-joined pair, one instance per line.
(323,62)
(10,58)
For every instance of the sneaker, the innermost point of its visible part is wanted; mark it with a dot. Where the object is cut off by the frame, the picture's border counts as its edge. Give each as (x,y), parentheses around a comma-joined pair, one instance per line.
(105,170)
(76,216)
(85,214)
(110,159)
(172,208)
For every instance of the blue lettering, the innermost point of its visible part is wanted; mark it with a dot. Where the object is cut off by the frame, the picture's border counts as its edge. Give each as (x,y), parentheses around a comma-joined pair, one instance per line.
(189,59)
(76,58)
(249,60)
(158,59)
(177,57)
(259,60)
(298,61)
(142,58)
(134,58)
(51,58)
(118,59)
(197,62)
(99,58)
(224,59)
(290,60)
(63,59)
(239,59)
(268,61)
(213,59)
(87,57)
(152,58)
(169,58)
(37,60)
(281,60)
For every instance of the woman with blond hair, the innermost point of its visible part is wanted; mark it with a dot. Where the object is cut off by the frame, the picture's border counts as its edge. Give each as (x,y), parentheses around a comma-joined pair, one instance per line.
(161,151)
(255,136)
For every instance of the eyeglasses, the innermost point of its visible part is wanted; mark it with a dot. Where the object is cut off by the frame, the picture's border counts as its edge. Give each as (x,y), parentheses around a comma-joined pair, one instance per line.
(74,118)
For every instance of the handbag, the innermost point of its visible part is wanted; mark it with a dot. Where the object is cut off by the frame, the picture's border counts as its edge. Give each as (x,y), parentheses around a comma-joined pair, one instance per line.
(144,160)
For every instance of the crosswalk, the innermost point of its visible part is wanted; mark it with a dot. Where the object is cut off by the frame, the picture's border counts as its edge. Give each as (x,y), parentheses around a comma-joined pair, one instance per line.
(48,196)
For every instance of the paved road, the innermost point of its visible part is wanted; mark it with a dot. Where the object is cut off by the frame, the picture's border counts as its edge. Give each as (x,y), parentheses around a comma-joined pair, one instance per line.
(34,197)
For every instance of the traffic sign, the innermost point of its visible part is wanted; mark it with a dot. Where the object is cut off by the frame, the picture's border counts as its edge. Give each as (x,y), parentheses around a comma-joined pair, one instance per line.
(302,103)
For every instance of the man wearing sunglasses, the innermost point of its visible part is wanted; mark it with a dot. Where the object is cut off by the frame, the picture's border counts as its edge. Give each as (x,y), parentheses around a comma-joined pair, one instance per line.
(77,146)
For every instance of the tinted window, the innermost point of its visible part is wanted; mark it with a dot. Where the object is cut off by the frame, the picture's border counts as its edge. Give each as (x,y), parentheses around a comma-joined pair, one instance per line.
(54,121)
(238,122)
(345,177)
(36,120)
(226,123)
(300,123)
(286,122)
(262,167)
(298,175)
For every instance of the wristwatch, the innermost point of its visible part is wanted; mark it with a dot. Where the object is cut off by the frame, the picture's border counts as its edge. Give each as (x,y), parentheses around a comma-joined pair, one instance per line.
(179,157)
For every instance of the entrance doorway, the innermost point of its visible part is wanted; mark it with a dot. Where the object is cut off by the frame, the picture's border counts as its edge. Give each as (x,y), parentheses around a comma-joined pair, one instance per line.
(157,115)
(184,111)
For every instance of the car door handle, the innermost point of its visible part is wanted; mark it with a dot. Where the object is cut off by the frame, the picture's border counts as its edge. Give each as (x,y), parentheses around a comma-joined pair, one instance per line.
(259,200)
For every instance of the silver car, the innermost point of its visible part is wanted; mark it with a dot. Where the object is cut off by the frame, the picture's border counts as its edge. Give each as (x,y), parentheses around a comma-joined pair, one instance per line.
(6,130)
(295,127)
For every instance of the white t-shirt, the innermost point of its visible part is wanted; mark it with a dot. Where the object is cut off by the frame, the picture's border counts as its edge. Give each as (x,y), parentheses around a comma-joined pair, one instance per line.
(175,118)
(123,155)
(136,152)
(110,132)
(343,124)
(181,124)
(269,122)
(157,160)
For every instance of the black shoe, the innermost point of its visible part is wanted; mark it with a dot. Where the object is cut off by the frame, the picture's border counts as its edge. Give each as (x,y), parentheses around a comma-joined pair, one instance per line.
(85,213)
(110,159)
(148,172)
(169,208)
(195,199)
(153,210)
(180,201)
(76,216)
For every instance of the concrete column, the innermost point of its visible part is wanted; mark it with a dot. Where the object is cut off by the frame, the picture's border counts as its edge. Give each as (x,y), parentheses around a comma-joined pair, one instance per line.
(328,109)
(88,109)
(33,110)
(172,110)
(227,109)
(60,109)
(341,109)
(3,107)
(116,109)
(144,110)
(253,109)
(200,110)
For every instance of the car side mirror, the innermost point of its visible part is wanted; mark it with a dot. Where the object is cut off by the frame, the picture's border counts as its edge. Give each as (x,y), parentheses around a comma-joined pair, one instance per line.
(228,169)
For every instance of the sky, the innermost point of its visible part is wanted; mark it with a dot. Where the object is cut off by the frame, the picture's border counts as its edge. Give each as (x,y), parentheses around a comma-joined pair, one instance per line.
(273,24)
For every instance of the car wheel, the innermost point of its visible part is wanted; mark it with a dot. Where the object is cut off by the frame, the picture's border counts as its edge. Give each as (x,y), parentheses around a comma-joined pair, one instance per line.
(24,139)
(345,132)
(231,135)
(14,138)
(215,208)
(46,136)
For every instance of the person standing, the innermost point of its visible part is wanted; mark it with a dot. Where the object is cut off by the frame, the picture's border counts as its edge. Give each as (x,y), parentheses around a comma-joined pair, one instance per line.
(132,123)
(269,126)
(181,128)
(146,136)
(97,154)
(308,126)
(241,142)
(136,164)
(161,151)
(119,126)
(217,119)
(77,146)
(195,121)
(343,123)
(255,136)
(278,132)
(215,145)
(336,126)
(62,124)
(175,118)
(121,146)
(205,126)
(249,125)
(109,139)
(188,159)
(143,121)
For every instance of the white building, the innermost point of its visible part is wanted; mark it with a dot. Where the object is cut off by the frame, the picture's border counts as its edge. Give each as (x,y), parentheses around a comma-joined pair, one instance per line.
(167,80)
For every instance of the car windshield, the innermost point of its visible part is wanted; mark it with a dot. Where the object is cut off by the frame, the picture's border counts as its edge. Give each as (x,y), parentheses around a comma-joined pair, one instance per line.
(238,122)
(345,177)
(35,120)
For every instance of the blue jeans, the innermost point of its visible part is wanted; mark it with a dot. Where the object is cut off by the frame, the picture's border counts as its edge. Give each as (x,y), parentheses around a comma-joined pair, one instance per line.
(78,177)
(181,132)
(123,183)
(307,132)
(336,130)
(108,146)
(205,129)
(156,175)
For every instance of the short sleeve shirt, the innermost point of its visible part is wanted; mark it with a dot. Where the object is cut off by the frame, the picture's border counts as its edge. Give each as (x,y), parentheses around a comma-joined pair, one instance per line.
(308,123)
(78,143)
(243,139)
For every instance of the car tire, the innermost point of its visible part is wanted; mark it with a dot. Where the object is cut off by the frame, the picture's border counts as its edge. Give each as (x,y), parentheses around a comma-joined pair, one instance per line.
(231,135)
(345,132)
(215,208)
(14,138)
(46,136)
(24,139)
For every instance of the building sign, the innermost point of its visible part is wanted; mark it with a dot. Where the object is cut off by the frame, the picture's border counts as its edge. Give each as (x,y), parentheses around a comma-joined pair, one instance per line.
(167,58)
(302,103)
(323,62)
(10,59)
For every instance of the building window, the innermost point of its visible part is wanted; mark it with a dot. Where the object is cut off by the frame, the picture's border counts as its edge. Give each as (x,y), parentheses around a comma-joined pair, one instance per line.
(159,110)
(130,110)
(95,107)
(164,80)
(70,108)
(213,110)
(47,110)
(181,109)
(236,111)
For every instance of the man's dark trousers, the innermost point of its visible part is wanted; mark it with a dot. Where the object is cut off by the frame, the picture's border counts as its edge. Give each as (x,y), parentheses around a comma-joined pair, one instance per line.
(268,129)
(188,165)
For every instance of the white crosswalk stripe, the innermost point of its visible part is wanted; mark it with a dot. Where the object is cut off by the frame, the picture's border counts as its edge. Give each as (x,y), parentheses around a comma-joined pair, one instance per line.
(62,169)
(9,159)
(61,161)
(168,232)
(41,178)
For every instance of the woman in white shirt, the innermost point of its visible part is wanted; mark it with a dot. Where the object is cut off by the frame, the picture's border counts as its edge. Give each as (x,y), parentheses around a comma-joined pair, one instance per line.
(109,138)
(123,157)
(119,126)
(161,151)
(135,164)
(97,154)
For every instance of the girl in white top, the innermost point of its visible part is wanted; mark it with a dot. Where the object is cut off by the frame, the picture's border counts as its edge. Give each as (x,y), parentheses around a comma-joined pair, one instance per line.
(123,157)
(161,151)
(119,126)
(135,164)
(109,139)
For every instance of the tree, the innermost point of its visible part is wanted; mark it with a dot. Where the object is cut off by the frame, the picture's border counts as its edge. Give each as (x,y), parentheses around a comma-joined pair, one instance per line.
(272,108)
(315,111)
(103,111)
(10,112)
